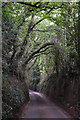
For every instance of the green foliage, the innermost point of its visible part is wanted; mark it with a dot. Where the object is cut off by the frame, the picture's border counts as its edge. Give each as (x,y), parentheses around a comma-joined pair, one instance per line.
(35,77)
(27,27)
(14,96)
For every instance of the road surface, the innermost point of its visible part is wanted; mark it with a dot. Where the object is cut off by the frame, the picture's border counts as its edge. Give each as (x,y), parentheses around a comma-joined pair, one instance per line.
(41,107)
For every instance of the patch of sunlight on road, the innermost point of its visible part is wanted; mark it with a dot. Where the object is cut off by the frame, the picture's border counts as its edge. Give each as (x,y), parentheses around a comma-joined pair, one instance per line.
(39,94)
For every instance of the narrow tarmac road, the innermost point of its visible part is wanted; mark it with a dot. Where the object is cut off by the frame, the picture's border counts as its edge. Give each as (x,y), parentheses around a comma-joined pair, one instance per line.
(41,107)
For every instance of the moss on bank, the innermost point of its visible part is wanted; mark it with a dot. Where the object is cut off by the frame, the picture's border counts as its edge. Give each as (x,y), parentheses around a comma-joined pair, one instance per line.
(15,94)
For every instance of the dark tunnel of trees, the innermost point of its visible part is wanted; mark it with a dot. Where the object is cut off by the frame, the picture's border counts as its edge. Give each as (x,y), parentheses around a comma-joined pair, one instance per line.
(40,51)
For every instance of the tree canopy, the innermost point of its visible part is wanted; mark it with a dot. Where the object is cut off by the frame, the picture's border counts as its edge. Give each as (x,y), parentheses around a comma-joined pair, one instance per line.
(41,39)
(33,29)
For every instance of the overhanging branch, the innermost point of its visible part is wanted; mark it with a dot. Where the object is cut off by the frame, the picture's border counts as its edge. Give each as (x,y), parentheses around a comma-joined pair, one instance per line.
(29,4)
(45,30)
(38,51)
(32,64)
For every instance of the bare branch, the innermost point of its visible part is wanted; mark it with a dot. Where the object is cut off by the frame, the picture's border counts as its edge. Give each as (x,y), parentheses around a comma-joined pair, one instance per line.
(38,51)
(29,4)
(45,30)
(42,18)
(42,53)
(32,64)
(35,5)
(22,49)
(37,22)
(45,49)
